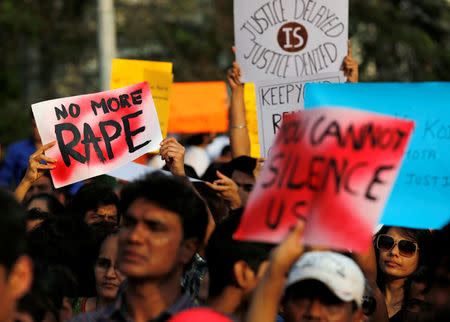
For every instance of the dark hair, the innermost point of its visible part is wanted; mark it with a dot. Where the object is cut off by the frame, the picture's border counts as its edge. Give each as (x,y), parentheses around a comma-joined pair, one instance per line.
(50,285)
(91,196)
(12,229)
(243,163)
(67,241)
(196,139)
(54,206)
(98,248)
(223,252)
(421,236)
(171,193)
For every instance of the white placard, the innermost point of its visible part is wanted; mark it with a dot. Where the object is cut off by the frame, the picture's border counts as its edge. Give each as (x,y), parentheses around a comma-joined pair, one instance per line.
(289,38)
(275,98)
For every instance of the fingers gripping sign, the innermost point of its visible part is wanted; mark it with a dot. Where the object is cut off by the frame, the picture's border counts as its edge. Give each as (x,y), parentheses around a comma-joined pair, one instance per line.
(234,76)
(35,167)
(226,189)
(350,66)
(172,153)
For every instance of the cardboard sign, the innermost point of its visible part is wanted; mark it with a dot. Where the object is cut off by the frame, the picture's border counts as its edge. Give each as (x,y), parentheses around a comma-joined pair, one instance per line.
(159,77)
(289,38)
(198,107)
(420,198)
(99,132)
(277,98)
(334,168)
(252,119)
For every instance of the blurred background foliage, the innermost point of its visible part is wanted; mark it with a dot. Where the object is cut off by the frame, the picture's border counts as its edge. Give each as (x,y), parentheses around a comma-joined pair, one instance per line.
(49,47)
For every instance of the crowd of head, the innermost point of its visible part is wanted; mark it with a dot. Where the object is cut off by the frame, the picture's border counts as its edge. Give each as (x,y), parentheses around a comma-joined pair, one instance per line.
(161,248)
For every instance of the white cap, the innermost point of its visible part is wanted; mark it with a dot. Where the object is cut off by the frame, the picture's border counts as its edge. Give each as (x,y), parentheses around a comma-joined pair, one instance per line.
(338,272)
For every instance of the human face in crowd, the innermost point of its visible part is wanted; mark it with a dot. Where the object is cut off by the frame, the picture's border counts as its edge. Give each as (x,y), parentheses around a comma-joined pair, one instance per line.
(313,301)
(40,204)
(245,183)
(107,274)
(392,263)
(151,241)
(102,213)
(41,185)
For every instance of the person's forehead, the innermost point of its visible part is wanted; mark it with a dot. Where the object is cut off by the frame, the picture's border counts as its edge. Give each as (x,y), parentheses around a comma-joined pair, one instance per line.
(143,209)
(398,233)
(107,209)
(109,246)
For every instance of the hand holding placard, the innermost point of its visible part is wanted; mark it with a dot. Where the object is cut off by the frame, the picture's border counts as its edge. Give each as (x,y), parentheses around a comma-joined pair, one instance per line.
(35,170)
(333,168)
(173,153)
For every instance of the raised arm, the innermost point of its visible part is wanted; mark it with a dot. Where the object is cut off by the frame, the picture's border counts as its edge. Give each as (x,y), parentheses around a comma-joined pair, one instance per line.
(267,295)
(239,138)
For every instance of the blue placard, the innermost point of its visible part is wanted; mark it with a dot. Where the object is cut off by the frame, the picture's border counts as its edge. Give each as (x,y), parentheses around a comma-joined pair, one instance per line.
(421,195)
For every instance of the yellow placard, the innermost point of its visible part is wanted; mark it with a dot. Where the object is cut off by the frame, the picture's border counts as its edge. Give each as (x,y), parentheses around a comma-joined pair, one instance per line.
(160,86)
(252,120)
(159,77)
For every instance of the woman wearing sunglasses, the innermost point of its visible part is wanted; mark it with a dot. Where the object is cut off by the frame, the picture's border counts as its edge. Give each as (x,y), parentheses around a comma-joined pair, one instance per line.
(400,252)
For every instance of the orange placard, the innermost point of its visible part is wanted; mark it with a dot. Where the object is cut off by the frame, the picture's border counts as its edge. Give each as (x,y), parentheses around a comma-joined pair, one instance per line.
(198,107)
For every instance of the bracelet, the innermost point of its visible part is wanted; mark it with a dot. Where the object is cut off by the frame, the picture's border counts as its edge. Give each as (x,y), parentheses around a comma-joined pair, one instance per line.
(238,127)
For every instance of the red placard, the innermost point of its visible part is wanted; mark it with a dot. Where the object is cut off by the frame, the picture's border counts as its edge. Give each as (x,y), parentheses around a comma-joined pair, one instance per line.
(334,168)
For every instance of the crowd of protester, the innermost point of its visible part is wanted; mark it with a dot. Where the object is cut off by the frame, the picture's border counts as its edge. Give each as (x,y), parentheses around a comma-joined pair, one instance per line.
(161,248)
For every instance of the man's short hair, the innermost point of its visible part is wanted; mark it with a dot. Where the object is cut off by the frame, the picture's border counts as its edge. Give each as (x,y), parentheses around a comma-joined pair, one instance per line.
(171,193)
(223,252)
(12,229)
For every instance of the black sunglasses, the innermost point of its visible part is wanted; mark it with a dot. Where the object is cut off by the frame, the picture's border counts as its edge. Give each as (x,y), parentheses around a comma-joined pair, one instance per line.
(406,247)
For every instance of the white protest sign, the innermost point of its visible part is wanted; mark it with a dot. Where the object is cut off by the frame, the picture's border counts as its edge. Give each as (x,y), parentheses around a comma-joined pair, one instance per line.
(276,98)
(97,133)
(289,38)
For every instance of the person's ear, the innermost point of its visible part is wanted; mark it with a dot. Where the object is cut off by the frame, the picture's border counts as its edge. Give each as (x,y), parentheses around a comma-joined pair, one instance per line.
(187,250)
(244,275)
(21,277)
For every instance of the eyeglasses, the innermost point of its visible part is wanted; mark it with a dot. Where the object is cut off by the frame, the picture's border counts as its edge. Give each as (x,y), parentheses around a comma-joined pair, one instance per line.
(406,248)
(104,264)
